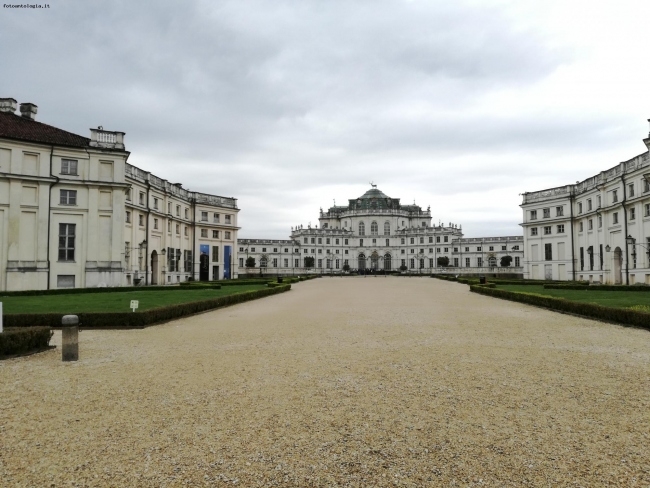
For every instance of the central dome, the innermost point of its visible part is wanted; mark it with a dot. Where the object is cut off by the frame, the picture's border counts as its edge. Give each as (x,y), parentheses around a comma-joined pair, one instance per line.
(374,193)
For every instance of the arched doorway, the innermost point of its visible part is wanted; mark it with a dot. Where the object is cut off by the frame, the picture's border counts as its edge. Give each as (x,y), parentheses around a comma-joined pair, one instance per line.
(154,268)
(387,264)
(362,261)
(492,261)
(374,260)
(618,266)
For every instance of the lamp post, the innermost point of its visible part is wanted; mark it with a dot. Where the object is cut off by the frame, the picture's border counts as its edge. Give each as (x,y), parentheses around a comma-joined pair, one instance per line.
(631,241)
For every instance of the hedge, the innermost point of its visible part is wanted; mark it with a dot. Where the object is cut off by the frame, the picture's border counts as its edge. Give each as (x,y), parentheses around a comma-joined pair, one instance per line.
(138,320)
(598,287)
(619,315)
(74,291)
(21,341)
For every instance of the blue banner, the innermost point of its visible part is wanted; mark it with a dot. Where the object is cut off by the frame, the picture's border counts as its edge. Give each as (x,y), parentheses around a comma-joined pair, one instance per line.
(205,249)
(227,251)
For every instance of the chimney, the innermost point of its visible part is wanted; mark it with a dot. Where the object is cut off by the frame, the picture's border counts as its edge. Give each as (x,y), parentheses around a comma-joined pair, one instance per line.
(28,110)
(8,105)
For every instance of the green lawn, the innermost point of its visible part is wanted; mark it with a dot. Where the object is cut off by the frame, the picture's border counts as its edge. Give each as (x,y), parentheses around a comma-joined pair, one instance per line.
(616,299)
(114,302)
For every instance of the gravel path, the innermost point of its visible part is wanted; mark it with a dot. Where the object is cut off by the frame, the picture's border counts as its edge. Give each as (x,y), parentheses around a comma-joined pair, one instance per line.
(340,382)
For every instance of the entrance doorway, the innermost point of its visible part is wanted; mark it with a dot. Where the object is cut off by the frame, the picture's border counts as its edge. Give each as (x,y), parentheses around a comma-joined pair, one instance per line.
(204,268)
(154,268)
(618,266)
(362,261)
(215,272)
(387,262)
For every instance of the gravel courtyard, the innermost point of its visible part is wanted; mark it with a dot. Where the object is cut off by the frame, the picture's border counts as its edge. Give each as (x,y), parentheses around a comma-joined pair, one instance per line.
(339,382)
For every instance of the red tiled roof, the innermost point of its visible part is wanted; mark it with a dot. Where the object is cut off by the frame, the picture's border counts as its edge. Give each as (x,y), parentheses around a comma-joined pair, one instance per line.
(15,126)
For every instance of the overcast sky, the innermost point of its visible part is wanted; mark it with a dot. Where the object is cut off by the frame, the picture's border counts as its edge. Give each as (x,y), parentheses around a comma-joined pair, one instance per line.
(290,105)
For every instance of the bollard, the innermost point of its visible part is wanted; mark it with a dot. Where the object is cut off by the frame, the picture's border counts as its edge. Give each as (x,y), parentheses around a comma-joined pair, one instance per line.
(70,333)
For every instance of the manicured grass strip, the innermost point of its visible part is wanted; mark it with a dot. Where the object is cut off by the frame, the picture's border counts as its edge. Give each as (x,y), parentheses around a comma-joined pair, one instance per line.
(616,288)
(114,302)
(83,291)
(611,299)
(619,315)
(129,320)
(21,341)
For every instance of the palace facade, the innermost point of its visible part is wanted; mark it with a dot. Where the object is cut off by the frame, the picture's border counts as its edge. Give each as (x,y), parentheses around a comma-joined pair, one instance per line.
(375,231)
(75,214)
(596,230)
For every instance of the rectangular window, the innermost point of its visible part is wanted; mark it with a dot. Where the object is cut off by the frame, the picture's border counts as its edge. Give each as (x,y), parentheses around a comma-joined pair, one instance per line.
(65,281)
(286,263)
(228,221)
(187,213)
(68,197)
(346,242)
(548,252)
(646,186)
(320,251)
(515,248)
(491,248)
(446,249)
(590,251)
(215,234)
(336,241)
(615,217)
(128,217)
(647,209)
(374,241)
(517,261)
(403,251)
(387,242)
(178,229)
(186,231)
(437,239)
(275,262)
(560,229)
(590,224)
(533,231)
(580,227)
(455,262)
(559,211)
(320,240)
(437,249)
(600,221)
(479,249)
(588,204)
(155,204)
(547,213)
(252,249)
(467,249)
(446,239)
(361,242)
(630,187)
(141,198)
(204,216)
(204,232)
(579,207)
(320,263)
(533,215)
(599,200)
(582,258)
(66,242)
(504,248)
(241,262)
(187,261)
(178,210)
(128,195)
(467,261)
(412,262)
(141,220)
(327,241)
(412,240)
(169,207)
(479,262)
(421,240)
(313,240)
(632,213)
(430,240)
(215,254)
(69,167)
(155,224)
(615,196)
(227,234)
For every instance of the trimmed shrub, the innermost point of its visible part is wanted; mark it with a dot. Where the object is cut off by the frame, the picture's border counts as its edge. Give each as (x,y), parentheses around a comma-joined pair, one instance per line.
(137,320)
(79,291)
(619,315)
(622,288)
(21,341)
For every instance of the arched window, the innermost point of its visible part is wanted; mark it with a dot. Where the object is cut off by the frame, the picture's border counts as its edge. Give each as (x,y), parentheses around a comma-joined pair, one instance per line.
(387,262)
(263,262)
(362,261)
(386,228)
(362,229)
(374,229)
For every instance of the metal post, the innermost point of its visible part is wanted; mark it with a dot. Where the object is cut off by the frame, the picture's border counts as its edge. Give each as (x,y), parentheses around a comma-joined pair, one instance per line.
(70,337)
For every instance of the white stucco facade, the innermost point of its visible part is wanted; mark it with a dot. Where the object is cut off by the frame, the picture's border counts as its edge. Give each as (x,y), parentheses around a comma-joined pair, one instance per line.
(377,232)
(596,230)
(74,213)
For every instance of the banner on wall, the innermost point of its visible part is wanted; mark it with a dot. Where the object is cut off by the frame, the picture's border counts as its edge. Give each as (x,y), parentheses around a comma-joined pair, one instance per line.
(205,249)
(227,251)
